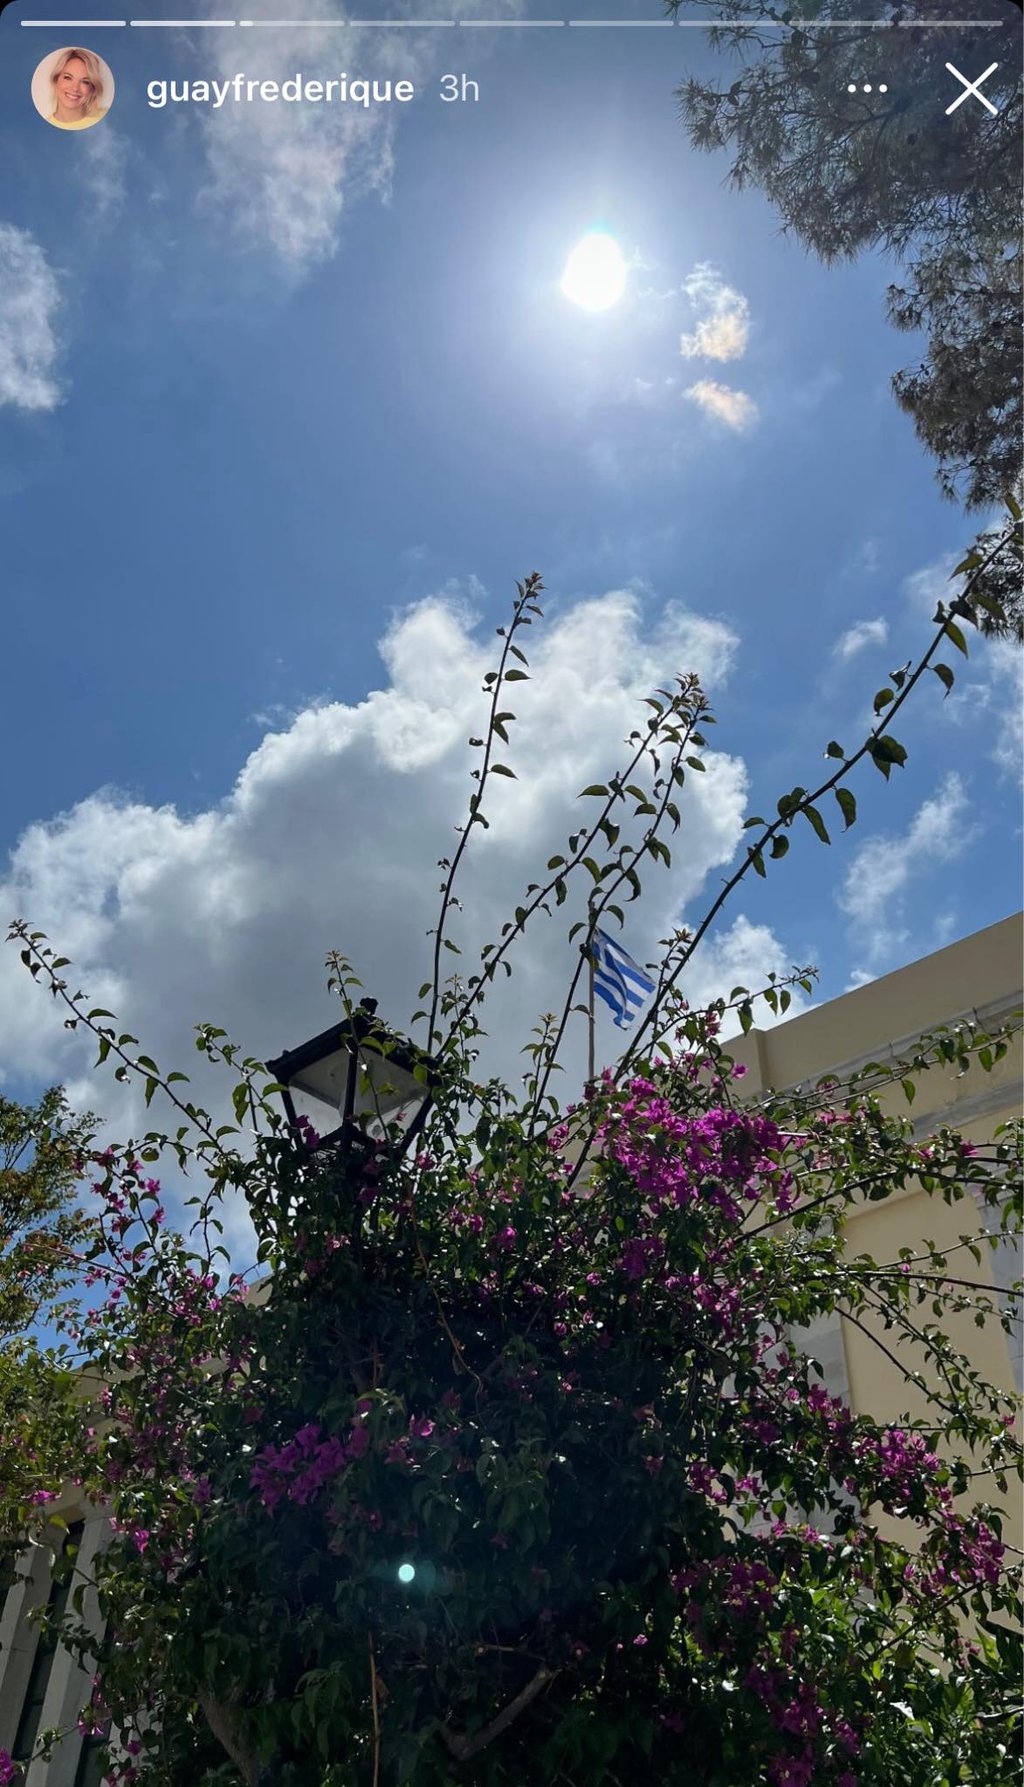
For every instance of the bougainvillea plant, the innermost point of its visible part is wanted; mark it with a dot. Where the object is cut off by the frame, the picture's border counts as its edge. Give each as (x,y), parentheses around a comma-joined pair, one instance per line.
(511,1467)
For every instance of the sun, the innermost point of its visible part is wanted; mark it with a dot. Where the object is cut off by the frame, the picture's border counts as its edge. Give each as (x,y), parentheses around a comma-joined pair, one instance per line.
(595,273)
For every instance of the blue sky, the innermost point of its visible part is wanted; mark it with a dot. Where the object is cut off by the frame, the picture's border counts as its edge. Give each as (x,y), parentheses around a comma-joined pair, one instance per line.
(288,402)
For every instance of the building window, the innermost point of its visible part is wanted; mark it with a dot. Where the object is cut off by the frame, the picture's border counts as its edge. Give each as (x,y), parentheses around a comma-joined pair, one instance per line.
(91,1763)
(46,1650)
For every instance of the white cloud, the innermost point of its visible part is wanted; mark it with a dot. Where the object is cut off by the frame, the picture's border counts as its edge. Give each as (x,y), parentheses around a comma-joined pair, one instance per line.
(866,560)
(330,837)
(1005,689)
(742,956)
(101,169)
(931,585)
(29,299)
(862,633)
(284,172)
(878,883)
(989,689)
(723,317)
(734,408)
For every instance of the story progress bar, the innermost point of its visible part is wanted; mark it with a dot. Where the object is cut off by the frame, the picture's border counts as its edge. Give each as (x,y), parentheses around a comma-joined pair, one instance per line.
(513,24)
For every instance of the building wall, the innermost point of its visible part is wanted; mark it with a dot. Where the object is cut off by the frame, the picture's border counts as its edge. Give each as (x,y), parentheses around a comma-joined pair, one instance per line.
(979,979)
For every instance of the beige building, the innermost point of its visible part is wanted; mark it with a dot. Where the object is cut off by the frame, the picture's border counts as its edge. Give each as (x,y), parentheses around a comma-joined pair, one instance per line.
(978,979)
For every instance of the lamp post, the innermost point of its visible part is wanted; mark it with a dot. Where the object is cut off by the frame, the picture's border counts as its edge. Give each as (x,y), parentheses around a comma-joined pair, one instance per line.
(355,1079)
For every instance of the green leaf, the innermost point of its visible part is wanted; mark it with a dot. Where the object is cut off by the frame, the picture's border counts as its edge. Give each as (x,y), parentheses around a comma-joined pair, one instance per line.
(595,788)
(779,847)
(516,676)
(945,676)
(834,749)
(817,822)
(502,769)
(882,699)
(886,751)
(788,803)
(952,631)
(847,805)
(758,861)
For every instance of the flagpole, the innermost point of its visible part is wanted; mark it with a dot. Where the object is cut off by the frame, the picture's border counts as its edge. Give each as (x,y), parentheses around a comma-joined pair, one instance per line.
(590,1000)
(590,930)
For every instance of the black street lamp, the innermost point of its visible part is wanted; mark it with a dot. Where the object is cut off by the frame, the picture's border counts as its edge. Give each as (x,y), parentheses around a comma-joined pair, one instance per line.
(355,1079)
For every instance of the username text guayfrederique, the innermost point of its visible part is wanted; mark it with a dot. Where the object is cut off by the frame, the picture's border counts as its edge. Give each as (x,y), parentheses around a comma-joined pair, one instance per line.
(239,89)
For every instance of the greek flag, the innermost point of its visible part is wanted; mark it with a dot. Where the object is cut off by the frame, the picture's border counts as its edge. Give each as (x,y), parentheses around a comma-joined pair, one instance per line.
(621,984)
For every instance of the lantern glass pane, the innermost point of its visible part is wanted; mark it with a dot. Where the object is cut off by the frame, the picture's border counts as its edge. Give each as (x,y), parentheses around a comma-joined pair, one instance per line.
(384,1087)
(325,1079)
(402,1114)
(325,1118)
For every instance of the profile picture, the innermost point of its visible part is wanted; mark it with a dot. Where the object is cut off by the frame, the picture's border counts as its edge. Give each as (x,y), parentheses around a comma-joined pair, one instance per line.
(72,88)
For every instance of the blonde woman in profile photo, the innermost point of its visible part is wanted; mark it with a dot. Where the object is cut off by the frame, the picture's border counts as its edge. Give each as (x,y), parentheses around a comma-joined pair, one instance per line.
(78,90)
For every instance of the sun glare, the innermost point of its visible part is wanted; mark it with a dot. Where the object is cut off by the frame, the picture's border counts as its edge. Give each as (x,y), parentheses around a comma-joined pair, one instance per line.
(595,273)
